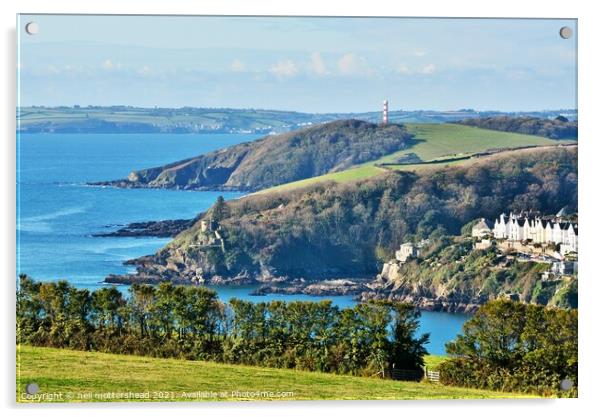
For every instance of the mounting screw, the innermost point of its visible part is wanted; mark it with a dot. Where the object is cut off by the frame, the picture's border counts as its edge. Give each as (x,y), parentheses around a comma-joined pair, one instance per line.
(32,388)
(32,28)
(566,32)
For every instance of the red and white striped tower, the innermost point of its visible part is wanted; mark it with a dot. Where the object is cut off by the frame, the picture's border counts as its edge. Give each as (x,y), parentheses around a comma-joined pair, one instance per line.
(385,112)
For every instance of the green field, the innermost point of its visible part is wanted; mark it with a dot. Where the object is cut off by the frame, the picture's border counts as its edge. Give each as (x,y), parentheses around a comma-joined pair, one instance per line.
(78,376)
(439,140)
(352,174)
(434,142)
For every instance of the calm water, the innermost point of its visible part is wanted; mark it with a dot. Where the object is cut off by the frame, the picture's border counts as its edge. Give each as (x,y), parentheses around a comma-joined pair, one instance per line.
(57,213)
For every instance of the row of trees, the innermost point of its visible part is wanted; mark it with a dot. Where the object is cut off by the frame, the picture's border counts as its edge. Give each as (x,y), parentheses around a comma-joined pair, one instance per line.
(558,128)
(190,322)
(511,346)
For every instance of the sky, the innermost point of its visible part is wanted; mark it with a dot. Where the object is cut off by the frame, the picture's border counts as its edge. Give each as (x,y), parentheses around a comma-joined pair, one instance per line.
(291,63)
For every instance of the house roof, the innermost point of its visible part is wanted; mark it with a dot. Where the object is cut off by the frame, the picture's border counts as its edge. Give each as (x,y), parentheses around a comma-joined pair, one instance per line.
(563,212)
(482,224)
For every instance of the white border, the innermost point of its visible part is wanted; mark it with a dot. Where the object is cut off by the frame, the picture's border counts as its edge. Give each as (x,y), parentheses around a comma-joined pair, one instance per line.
(590,152)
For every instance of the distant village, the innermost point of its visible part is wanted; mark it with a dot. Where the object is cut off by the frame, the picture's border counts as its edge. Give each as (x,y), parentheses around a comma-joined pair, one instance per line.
(525,237)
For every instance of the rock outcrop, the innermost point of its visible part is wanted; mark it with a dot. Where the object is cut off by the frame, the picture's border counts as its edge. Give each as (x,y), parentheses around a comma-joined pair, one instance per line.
(160,228)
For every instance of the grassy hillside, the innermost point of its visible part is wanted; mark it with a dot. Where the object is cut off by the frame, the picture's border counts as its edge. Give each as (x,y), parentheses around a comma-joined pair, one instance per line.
(434,142)
(437,140)
(352,174)
(75,374)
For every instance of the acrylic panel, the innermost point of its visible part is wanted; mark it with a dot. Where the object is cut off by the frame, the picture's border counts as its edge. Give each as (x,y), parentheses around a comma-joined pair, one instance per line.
(215,208)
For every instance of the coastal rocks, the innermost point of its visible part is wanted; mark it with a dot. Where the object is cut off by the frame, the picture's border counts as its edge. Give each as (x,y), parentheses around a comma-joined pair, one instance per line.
(243,278)
(161,228)
(439,304)
(184,279)
(188,187)
(331,287)
(128,279)
(391,284)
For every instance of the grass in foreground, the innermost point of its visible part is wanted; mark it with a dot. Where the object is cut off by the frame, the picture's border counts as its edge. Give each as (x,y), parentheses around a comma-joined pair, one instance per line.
(79,376)
(434,142)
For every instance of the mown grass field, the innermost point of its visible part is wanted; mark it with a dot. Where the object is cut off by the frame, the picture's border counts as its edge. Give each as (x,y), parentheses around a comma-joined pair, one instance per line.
(353,174)
(434,142)
(80,376)
(438,140)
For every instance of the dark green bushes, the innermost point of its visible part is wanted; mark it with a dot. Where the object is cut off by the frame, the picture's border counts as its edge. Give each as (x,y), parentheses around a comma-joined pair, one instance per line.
(558,128)
(510,346)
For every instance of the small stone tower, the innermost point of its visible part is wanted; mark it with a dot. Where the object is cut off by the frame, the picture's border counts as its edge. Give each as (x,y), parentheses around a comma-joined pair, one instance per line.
(385,112)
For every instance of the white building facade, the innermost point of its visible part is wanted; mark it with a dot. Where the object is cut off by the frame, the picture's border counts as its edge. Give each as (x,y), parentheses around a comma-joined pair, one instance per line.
(524,226)
(406,251)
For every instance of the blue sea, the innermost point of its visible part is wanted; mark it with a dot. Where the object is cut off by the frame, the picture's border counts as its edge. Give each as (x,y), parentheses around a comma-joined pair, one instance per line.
(57,213)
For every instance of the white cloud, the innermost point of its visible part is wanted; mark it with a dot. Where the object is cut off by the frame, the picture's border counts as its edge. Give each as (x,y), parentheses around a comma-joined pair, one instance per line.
(237,66)
(351,64)
(403,69)
(317,65)
(109,65)
(420,53)
(284,69)
(428,69)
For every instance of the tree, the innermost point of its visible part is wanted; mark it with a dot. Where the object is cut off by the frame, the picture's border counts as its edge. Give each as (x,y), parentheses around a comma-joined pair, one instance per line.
(493,334)
(140,307)
(407,351)
(512,346)
(29,309)
(219,211)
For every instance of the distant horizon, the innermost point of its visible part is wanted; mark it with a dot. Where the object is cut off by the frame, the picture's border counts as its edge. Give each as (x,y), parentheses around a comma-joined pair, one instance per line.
(84,106)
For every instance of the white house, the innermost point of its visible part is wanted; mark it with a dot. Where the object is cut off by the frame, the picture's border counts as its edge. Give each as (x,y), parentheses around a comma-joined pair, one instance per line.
(557,233)
(527,226)
(569,239)
(406,250)
(481,229)
(500,227)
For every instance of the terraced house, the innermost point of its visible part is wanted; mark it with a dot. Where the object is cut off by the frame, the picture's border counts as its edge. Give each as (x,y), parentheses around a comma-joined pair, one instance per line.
(528,226)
